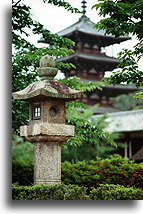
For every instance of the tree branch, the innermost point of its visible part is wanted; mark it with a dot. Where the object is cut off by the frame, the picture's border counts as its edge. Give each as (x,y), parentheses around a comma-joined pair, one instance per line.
(16,3)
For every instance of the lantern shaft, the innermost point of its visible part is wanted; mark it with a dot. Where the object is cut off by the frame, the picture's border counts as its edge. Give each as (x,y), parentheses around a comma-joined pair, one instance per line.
(47,163)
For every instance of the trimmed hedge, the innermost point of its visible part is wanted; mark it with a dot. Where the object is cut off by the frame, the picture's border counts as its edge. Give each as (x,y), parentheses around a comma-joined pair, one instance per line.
(115,192)
(74,192)
(51,192)
(113,170)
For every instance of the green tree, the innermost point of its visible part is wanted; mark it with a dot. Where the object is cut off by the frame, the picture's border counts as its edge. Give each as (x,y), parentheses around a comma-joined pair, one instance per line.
(90,140)
(26,56)
(126,102)
(122,17)
(22,151)
(25,61)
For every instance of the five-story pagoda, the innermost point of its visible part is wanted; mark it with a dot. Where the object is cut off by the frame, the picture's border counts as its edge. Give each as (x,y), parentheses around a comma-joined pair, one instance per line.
(91,63)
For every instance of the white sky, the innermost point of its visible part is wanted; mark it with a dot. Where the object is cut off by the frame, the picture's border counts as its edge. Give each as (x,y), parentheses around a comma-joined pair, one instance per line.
(57,18)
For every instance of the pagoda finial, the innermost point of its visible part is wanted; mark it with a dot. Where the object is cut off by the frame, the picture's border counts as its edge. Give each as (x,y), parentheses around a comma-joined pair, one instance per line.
(84,7)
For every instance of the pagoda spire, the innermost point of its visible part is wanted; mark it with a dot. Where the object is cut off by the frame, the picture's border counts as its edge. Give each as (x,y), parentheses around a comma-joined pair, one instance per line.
(84,7)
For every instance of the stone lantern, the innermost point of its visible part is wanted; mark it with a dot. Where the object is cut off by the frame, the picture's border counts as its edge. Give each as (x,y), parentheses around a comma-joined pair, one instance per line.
(47,129)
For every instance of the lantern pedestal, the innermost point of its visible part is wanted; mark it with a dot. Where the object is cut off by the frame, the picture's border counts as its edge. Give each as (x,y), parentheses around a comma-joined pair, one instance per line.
(47,139)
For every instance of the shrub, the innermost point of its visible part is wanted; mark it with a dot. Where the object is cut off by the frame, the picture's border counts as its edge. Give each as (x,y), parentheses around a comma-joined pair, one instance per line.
(115,192)
(22,150)
(51,192)
(22,161)
(74,192)
(113,170)
(22,173)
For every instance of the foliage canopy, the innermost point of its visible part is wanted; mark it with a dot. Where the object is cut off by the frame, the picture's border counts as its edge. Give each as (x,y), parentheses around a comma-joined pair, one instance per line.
(26,58)
(123,17)
(126,102)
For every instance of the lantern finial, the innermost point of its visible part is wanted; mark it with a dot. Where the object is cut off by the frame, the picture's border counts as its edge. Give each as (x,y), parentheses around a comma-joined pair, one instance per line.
(47,70)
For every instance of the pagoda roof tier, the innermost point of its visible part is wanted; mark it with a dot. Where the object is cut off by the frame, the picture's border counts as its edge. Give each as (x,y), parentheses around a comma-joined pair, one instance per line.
(114,91)
(86,27)
(122,87)
(103,60)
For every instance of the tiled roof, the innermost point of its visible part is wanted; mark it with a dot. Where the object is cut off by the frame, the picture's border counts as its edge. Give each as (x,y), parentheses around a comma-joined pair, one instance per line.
(85,25)
(88,56)
(125,121)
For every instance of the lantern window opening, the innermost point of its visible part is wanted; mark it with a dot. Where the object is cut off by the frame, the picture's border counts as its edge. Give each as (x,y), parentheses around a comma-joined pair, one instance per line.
(36,112)
(53,111)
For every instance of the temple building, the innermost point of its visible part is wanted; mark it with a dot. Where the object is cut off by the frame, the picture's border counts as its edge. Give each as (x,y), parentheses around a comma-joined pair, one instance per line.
(91,65)
(130,126)
(91,62)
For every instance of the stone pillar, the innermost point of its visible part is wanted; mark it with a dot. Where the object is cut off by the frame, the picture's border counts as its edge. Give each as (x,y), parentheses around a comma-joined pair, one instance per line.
(47,166)
(130,149)
(126,150)
(47,139)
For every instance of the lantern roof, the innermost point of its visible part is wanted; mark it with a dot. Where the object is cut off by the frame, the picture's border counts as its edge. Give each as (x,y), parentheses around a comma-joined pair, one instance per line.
(47,87)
